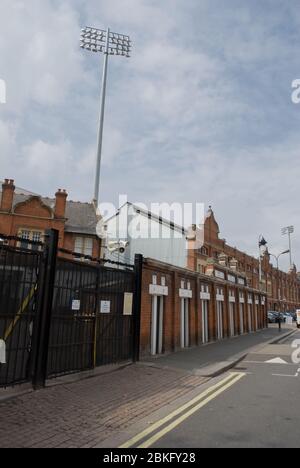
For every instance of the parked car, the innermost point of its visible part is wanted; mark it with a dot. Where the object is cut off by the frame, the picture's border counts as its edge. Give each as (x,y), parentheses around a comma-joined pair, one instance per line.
(271,317)
(292,313)
(286,315)
(277,315)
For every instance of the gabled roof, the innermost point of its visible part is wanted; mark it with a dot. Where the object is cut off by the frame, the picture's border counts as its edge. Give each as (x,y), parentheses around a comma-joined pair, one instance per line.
(81,218)
(19,190)
(148,214)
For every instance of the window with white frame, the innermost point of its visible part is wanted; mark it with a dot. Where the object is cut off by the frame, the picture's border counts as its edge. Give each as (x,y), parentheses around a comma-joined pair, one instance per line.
(84,245)
(31,235)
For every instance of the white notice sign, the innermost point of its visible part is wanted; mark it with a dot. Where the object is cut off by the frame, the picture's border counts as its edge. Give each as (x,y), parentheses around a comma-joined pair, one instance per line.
(128,299)
(75,304)
(105,307)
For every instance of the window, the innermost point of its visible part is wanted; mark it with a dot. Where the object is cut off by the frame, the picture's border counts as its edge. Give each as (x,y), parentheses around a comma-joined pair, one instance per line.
(84,245)
(24,235)
(35,236)
(204,251)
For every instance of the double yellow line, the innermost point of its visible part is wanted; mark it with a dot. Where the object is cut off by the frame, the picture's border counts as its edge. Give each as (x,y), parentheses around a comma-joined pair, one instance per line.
(182,413)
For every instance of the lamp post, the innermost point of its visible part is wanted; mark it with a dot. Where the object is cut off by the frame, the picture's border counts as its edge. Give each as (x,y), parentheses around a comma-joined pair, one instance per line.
(277,264)
(108,43)
(288,231)
(278,256)
(261,243)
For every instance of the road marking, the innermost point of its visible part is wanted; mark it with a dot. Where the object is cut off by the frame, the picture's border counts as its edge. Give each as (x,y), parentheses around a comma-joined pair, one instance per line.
(177,422)
(263,362)
(220,386)
(287,375)
(277,360)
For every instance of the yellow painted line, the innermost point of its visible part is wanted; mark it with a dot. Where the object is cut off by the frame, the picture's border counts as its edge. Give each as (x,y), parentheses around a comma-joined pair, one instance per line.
(24,305)
(186,415)
(176,412)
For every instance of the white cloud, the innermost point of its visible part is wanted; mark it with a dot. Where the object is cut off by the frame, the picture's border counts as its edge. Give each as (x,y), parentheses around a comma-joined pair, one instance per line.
(39,54)
(200,112)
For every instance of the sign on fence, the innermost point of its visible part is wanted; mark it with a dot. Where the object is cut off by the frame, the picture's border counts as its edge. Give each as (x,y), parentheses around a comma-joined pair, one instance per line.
(128,300)
(105,307)
(2,352)
(75,304)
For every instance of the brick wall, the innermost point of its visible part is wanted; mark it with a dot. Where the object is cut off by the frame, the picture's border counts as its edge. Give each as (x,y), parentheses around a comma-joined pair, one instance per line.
(34,215)
(174,278)
(273,280)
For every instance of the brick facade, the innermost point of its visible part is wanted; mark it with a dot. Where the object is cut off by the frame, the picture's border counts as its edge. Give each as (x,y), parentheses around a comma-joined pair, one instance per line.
(27,211)
(159,276)
(283,288)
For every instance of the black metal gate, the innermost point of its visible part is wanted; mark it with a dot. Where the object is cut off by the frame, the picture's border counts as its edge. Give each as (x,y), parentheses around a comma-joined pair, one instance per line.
(89,325)
(114,320)
(59,316)
(19,270)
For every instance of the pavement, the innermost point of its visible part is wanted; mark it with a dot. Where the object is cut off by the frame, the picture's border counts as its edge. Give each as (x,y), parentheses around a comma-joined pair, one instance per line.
(215,358)
(110,408)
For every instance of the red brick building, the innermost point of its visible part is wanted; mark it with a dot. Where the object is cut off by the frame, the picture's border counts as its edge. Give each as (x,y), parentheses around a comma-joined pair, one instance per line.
(283,289)
(28,215)
(181,308)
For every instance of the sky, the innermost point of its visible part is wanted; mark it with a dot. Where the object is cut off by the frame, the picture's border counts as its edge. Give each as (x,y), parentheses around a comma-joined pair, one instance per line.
(200,113)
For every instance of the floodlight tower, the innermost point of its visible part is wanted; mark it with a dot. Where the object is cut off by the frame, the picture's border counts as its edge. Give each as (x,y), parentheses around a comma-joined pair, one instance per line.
(288,231)
(108,43)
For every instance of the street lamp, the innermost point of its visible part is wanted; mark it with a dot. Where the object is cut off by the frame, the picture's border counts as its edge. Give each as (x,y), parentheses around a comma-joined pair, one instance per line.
(261,243)
(288,231)
(108,43)
(278,256)
(277,263)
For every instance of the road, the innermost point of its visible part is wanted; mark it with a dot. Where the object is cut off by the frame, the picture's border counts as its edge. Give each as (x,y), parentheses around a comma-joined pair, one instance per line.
(255,405)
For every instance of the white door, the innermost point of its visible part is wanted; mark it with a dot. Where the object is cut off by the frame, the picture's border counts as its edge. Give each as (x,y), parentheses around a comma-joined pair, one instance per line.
(185,329)
(220,319)
(250,317)
(256,317)
(241,319)
(204,321)
(231,318)
(157,325)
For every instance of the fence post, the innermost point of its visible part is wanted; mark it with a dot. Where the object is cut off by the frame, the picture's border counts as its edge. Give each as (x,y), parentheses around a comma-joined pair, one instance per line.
(43,319)
(94,357)
(138,272)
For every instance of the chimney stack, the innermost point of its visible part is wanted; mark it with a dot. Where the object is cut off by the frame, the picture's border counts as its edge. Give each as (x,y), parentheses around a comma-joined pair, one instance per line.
(60,204)
(8,190)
